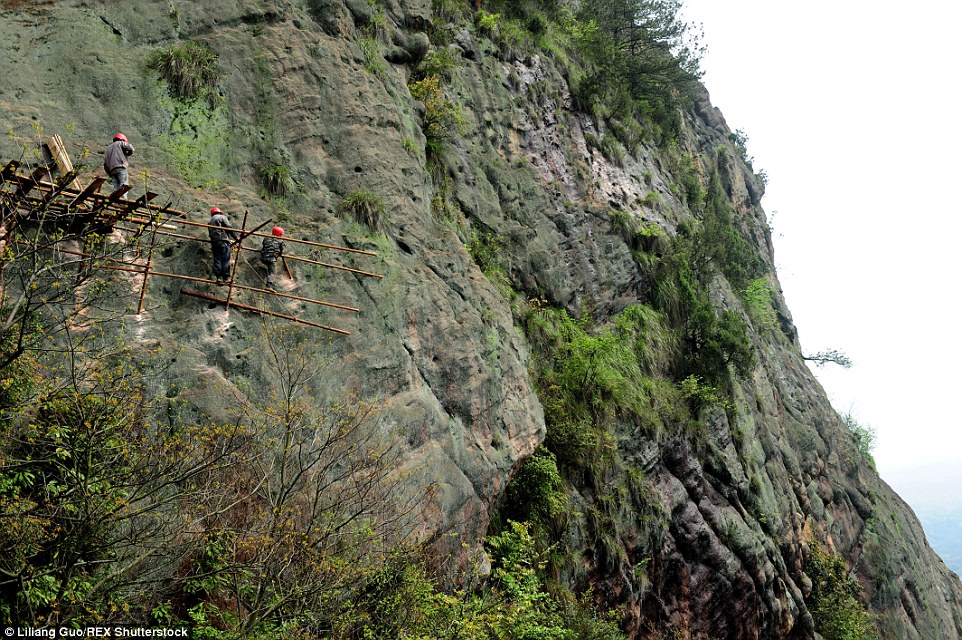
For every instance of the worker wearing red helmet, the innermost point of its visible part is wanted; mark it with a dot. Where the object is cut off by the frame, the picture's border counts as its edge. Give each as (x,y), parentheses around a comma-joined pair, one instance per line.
(221,236)
(272,249)
(115,159)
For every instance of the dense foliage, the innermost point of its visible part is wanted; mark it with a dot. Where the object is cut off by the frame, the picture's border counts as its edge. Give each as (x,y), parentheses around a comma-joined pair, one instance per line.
(190,71)
(834,601)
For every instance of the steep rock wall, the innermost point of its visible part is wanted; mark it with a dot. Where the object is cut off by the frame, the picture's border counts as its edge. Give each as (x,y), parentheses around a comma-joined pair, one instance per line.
(435,341)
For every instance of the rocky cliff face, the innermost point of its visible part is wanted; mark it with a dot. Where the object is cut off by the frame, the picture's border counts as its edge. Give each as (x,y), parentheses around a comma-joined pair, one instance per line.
(712,541)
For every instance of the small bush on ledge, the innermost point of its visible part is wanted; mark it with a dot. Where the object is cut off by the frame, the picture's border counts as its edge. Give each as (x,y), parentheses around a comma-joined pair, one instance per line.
(190,71)
(365,207)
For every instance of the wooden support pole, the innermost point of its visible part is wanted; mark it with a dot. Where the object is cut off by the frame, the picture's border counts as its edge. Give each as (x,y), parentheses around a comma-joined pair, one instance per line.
(150,258)
(59,188)
(116,196)
(235,253)
(202,296)
(335,266)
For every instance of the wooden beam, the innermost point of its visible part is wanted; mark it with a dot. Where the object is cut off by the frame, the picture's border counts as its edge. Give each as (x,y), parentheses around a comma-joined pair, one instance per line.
(10,169)
(59,154)
(203,296)
(59,187)
(92,189)
(191,223)
(27,185)
(102,205)
(140,202)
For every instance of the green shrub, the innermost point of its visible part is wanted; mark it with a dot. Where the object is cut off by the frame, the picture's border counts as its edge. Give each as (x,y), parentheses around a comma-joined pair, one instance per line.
(639,60)
(758,298)
(612,150)
(440,62)
(629,132)
(191,71)
(371,50)
(513,40)
(713,343)
(865,437)
(443,119)
(487,22)
(699,394)
(484,248)
(536,492)
(276,178)
(833,602)
(365,207)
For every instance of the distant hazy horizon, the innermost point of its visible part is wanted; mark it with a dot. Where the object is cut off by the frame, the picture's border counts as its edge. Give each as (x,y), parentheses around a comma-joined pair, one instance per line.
(934,492)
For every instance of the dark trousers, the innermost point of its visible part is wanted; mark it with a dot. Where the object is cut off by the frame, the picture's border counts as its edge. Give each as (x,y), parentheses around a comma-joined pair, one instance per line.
(221,251)
(271,270)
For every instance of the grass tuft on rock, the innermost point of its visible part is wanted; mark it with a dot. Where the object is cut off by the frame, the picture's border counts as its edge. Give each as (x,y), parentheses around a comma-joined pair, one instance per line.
(365,207)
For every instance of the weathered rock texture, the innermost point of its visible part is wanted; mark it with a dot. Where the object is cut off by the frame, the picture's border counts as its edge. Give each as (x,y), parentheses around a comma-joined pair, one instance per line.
(435,340)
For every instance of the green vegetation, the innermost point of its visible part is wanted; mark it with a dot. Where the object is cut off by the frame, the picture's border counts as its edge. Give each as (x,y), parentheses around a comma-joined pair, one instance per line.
(373,59)
(640,61)
(865,437)
(403,602)
(698,394)
(592,380)
(833,601)
(629,61)
(276,178)
(197,141)
(365,207)
(119,507)
(758,298)
(190,71)
(829,356)
(443,118)
(439,62)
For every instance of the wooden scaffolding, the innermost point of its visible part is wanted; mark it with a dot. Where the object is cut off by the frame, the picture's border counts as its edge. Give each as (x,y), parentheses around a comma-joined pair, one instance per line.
(39,199)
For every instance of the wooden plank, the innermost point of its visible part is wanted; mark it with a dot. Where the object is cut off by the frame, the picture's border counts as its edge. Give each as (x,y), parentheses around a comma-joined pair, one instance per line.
(59,153)
(167,210)
(27,185)
(92,189)
(119,193)
(203,296)
(107,220)
(140,202)
(10,169)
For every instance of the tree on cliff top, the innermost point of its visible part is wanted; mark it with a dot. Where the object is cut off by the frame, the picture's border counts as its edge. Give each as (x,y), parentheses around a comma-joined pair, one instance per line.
(643,43)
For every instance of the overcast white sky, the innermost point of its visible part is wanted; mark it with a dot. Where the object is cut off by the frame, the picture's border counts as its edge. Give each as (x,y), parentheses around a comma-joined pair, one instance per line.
(852,108)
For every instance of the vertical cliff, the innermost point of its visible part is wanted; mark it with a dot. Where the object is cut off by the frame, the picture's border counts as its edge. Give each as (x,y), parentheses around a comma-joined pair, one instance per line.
(596,292)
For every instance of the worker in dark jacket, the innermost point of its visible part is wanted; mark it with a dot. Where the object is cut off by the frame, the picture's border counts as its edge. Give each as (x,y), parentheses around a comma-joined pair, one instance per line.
(271,250)
(115,159)
(221,236)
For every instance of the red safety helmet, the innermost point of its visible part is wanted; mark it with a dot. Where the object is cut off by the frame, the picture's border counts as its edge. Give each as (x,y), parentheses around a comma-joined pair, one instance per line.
(277,231)
(214,210)
(121,137)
